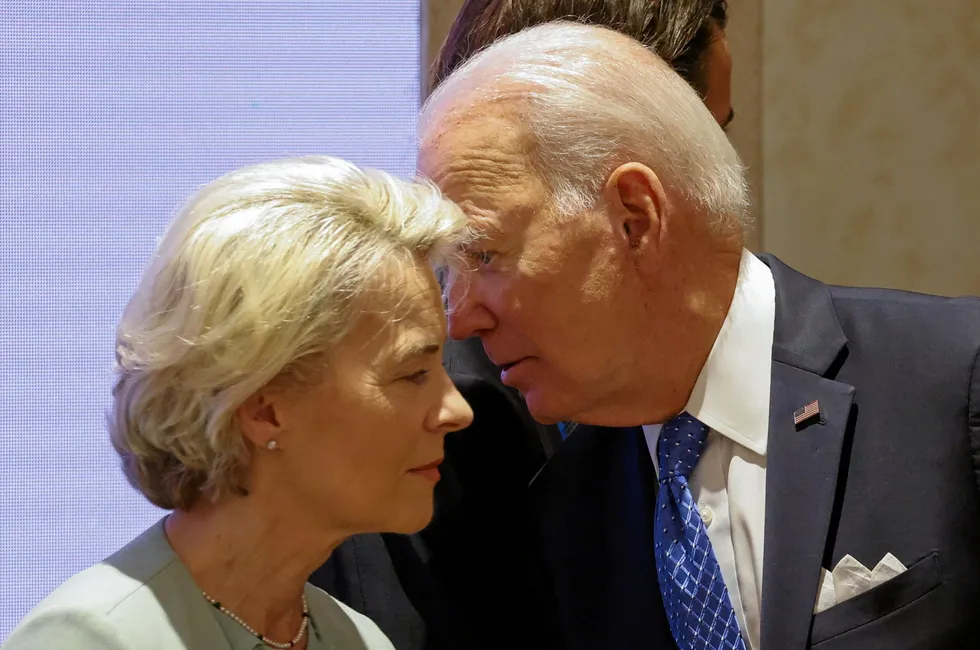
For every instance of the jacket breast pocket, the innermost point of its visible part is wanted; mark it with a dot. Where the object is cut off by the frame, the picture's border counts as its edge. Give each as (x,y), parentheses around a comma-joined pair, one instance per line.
(880,601)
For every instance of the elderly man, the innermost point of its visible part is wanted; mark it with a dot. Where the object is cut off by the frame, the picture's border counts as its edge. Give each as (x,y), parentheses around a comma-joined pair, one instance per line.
(782,464)
(441,589)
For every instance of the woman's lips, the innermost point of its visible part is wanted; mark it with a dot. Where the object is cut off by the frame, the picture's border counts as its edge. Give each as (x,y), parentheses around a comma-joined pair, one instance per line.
(429,471)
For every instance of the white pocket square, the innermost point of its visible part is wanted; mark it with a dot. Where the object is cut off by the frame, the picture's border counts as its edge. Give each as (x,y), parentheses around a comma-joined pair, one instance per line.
(850,578)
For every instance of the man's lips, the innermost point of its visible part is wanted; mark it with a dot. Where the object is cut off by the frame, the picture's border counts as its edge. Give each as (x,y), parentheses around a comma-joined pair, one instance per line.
(507,366)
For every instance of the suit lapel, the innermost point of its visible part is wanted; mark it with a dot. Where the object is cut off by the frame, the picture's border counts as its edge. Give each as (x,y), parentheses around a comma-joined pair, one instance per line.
(592,510)
(802,462)
(801,482)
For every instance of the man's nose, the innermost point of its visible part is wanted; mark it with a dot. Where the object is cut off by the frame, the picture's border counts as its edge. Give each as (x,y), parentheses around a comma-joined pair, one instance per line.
(467,314)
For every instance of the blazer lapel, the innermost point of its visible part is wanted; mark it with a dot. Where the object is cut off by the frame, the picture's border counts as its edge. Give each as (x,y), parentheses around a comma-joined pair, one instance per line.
(592,508)
(803,461)
(801,482)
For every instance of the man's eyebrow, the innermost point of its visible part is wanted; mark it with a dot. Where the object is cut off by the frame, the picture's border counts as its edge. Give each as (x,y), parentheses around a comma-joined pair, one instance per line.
(480,233)
(480,222)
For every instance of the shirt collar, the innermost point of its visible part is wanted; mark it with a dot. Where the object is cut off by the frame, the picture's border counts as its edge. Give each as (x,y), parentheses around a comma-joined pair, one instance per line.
(731,394)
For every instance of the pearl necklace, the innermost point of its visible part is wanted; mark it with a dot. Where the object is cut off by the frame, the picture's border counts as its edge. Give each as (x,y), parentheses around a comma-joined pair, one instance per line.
(267,641)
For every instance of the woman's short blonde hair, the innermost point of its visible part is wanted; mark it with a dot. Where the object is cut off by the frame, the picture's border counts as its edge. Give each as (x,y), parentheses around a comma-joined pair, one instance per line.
(266,268)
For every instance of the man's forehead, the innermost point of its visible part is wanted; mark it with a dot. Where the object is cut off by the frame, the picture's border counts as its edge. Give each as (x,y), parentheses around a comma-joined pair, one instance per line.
(482,174)
(480,160)
(487,138)
(495,206)
(467,114)
(483,185)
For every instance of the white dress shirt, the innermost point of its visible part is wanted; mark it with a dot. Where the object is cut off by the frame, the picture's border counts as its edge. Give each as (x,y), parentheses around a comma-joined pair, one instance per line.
(731,397)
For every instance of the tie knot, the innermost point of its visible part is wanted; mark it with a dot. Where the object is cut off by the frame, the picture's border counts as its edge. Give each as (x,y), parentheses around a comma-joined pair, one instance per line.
(679,447)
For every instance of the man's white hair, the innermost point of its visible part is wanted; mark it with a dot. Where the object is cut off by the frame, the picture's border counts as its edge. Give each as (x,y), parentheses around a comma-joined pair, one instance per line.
(592,99)
(258,278)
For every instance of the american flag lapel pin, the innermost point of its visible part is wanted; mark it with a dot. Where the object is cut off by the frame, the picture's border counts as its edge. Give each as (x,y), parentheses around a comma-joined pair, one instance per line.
(804,415)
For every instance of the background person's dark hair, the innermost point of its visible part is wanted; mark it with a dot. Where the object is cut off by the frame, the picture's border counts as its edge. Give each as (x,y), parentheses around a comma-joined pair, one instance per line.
(679,31)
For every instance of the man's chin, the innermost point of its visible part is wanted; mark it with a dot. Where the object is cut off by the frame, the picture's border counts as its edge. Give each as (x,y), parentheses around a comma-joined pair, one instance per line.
(547,403)
(544,410)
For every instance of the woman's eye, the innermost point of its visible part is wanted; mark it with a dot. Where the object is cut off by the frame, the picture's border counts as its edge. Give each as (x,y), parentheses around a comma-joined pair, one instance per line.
(417,377)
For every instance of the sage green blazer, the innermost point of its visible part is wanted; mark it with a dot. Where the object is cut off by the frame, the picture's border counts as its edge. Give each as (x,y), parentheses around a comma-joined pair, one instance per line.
(143,598)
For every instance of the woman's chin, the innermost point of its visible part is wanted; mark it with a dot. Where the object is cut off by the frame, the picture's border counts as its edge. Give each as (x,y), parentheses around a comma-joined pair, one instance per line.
(411,518)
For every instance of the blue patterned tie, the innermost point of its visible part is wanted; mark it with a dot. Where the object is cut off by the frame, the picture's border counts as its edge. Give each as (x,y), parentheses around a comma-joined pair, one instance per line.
(699,609)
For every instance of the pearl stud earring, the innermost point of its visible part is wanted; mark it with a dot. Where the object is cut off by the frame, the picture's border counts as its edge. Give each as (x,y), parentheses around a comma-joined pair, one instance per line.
(272,445)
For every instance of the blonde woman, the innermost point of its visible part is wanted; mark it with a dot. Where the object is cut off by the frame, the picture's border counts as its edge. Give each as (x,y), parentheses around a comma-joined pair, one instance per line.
(279,389)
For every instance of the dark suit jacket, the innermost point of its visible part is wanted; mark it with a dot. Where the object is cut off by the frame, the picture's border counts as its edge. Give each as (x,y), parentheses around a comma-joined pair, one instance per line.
(893,465)
(464,582)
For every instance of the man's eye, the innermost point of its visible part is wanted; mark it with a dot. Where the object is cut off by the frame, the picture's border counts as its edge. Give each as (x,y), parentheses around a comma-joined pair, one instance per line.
(482,258)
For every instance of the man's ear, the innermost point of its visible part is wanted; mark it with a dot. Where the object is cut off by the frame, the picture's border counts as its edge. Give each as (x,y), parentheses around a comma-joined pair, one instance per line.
(637,201)
(258,420)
